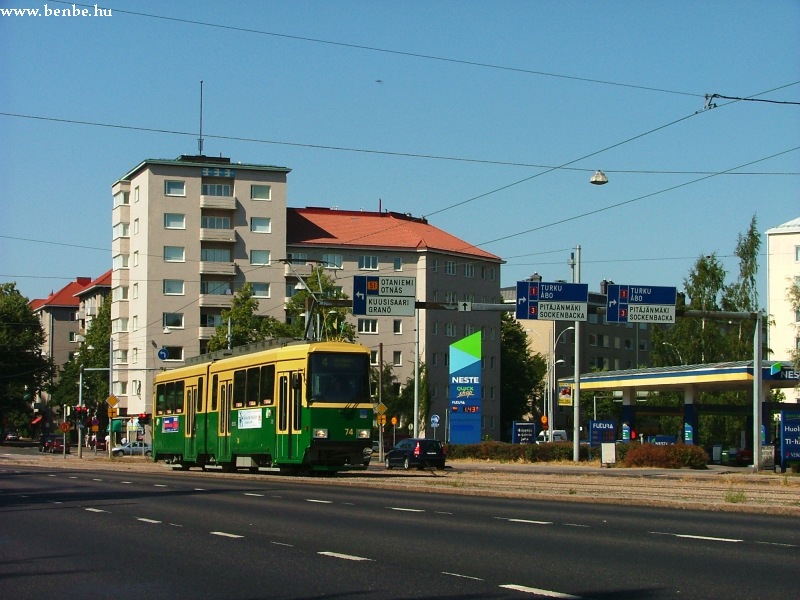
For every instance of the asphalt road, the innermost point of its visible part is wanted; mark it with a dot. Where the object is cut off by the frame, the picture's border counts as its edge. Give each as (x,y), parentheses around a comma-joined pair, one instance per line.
(81,532)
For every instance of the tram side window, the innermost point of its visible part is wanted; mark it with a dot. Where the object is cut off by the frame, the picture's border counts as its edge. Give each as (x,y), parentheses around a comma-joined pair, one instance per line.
(267,384)
(282,404)
(239,388)
(161,398)
(253,381)
(199,396)
(297,409)
(214,384)
(174,397)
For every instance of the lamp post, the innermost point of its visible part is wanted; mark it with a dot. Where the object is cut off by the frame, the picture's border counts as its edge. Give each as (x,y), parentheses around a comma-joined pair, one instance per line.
(551,384)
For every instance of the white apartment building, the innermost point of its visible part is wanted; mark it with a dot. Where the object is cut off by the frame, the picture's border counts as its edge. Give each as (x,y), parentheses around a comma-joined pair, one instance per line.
(187,233)
(783,270)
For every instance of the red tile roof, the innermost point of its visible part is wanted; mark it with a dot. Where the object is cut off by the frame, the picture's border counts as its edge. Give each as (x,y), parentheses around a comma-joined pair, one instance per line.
(327,227)
(63,297)
(104,281)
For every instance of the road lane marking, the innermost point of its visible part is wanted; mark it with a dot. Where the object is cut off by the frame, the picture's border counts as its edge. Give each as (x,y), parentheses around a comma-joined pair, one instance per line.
(778,544)
(344,556)
(224,534)
(699,537)
(253,494)
(283,544)
(160,485)
(540,592)
(96,510)
(418,510)
(462,576)
(442,512)
(126,482)
(143,520)
(319,501)
(528,521)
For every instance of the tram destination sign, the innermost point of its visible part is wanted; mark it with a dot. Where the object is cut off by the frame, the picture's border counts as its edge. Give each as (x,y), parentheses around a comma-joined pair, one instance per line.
(387,296)
(557,301)
(640,304)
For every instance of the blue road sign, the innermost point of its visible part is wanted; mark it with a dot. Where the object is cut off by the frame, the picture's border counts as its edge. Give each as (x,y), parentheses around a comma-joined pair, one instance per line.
(387,295)
(555,301)
(163,353)
(640,304)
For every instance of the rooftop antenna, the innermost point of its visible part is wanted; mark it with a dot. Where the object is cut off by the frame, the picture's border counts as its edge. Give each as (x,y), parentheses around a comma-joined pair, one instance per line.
(200,140)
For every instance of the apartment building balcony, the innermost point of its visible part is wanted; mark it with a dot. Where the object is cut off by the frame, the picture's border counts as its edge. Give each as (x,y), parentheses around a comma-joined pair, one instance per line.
(215,301)
(206,333)
(217,268)
(217,235)
(297,270)
(219,202)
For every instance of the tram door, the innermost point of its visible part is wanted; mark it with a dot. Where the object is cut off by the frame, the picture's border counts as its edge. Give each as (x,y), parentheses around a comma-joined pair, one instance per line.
(194,405)
(290,398)
(224,426)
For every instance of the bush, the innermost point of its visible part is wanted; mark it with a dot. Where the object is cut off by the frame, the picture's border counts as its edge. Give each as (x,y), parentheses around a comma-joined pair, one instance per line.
(675,456)
(504,452)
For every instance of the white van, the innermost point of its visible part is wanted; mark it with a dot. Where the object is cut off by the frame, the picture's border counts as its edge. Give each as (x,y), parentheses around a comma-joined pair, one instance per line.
(559,435)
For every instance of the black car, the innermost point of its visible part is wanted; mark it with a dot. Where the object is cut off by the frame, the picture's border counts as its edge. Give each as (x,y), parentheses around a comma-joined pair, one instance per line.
(416,452)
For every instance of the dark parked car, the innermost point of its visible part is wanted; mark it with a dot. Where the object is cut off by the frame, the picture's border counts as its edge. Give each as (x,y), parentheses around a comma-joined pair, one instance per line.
(53,443)
(12,436)
(416,452)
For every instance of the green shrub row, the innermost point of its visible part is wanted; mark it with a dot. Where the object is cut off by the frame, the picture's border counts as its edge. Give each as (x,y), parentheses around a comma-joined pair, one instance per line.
(634,454)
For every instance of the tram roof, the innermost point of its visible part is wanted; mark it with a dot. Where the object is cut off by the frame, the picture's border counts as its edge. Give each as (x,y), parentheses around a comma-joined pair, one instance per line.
(733,375)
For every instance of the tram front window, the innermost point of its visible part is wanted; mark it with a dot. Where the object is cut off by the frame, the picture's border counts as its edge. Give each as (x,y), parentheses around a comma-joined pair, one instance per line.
(338,377)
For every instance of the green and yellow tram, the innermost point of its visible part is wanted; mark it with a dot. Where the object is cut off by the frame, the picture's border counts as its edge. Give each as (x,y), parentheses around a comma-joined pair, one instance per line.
(300,407)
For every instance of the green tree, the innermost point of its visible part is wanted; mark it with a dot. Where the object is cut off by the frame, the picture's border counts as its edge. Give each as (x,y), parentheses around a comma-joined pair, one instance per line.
(327,321)
(24,371)
(522,374)
(246,327)
(793,295)
(405,401)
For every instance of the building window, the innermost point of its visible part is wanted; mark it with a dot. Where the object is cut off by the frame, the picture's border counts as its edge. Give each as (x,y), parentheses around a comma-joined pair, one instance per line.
(436,328)
(215,255)
(450,330)
(174,188)
(469,270)
(217,288)
(435,265)
(261,290)
(398,326)
(174,352)
(397,358)
(797,254)
(173,287)
(136,194)
(398,264)
(298,258)
(135,323)
(492,273)
(260,192)
(259,257)
(174,221)
(368,326)
(135,226)
(119,325)
(172,320)
(135,291)
(135,258)
(174,254)
(332,261)
(73,336)
(261,225)
(368,263)
(216,189)
(469,330)
(435,358)
(120,388)
(450,267)
(373,357)
(120,261)
(119,293)
(215,222)
(121,230)
(120,357)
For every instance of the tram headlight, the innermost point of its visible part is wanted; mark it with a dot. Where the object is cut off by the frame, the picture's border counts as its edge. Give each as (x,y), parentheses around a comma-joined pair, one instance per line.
(363,434)
(320,434)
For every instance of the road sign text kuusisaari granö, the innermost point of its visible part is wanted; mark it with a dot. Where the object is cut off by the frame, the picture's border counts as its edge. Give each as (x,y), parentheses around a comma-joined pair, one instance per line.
(640,304)
(554,301)
(388,296)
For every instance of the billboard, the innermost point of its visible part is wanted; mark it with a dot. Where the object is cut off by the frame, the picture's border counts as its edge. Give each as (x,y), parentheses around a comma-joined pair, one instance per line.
(465,390)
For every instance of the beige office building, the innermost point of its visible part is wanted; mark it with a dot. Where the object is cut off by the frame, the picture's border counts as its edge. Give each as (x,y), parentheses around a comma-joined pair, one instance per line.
(783,271)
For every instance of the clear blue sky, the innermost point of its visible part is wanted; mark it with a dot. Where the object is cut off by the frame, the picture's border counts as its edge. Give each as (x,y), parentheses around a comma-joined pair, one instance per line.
(515,87)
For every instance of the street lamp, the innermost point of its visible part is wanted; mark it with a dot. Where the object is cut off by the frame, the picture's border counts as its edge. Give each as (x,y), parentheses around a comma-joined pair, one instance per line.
(551,383)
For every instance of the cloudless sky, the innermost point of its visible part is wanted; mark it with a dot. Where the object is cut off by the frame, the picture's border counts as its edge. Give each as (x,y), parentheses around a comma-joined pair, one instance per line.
(454,110)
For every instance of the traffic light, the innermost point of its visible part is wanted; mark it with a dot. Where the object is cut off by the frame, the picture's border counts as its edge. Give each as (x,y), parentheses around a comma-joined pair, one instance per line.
(144,419)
